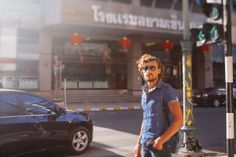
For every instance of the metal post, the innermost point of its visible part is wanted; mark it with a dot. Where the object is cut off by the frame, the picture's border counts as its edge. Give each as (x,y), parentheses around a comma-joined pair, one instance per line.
(229,81)
(190,142)
(65,101)
(60,74)
(56,73)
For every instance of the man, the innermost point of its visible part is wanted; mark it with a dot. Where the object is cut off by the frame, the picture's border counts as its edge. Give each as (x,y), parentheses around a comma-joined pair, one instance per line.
(155,130)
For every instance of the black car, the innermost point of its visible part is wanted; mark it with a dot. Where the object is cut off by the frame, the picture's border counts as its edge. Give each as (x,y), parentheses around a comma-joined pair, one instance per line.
(214,96)
(29,123)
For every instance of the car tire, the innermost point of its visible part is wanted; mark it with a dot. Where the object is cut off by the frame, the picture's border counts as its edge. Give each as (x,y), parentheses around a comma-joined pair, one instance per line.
(79,140)
(216,103)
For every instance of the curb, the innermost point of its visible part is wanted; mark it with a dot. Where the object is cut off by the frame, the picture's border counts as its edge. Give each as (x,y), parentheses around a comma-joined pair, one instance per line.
(201,153)
(116,108)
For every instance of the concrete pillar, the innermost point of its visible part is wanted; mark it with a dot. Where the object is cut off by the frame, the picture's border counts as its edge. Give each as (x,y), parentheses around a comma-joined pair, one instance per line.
(133,76)
(198,65)
(45,61)
(208,69)
(135,3)
(233,36)
(203,75)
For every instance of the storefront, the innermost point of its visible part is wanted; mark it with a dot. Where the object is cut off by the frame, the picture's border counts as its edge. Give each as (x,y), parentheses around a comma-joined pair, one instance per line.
(46,55)
(99,61)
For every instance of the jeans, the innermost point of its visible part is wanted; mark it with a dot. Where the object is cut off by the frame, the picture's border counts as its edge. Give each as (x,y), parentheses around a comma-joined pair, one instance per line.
(149,151)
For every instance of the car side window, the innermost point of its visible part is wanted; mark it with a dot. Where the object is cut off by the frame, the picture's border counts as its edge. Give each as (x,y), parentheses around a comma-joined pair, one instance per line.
(8,105)
(221,91)
(35,105)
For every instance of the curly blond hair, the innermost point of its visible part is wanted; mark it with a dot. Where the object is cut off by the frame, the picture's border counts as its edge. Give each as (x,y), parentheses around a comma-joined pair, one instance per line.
(145,58)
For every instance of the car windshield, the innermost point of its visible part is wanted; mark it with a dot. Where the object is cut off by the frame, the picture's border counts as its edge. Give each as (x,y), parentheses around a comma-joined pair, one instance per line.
(208,90)
(221,91)
(213,90)
(38,105)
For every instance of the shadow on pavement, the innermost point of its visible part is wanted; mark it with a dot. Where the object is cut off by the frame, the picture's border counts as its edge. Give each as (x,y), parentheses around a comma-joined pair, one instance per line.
(118,120)
(100,150)
(95,150)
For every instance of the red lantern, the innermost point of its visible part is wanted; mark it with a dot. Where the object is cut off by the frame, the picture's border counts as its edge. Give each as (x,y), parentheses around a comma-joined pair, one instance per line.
(167,45)
(125,42)
(76,39)
(205,48)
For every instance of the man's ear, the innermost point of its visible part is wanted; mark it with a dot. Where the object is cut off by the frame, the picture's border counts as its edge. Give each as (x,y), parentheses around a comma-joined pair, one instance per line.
(160,70)
(142,75)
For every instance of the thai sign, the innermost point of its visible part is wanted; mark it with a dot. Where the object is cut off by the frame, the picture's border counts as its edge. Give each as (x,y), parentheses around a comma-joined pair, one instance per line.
(116,18)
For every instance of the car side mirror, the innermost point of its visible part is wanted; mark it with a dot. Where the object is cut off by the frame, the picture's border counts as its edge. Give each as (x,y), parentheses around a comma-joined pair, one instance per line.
(61,110)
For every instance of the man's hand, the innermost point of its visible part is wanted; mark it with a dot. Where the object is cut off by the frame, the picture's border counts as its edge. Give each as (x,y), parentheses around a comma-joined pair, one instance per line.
(157,144)
(137,150)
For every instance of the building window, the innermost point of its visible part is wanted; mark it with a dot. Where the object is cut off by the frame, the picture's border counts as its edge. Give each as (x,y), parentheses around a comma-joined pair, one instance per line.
(167,4)
(28,44)
(118,1)
(122,1)
(218,53)
(147,3)
(27,54)
(234,4)
(195,5)
(28,41)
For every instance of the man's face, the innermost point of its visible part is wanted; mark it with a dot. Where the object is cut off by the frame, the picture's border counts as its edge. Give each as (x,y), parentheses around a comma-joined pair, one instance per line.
(151,71)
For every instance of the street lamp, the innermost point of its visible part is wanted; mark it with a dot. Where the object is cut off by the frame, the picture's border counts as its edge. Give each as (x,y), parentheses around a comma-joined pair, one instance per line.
(191,144)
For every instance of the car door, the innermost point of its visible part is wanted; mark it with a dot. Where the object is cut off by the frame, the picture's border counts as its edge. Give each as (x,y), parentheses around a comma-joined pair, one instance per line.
(45,120)
(14,128)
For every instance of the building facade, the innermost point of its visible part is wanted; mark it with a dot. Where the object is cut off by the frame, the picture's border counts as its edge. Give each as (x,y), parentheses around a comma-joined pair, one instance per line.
(37,51)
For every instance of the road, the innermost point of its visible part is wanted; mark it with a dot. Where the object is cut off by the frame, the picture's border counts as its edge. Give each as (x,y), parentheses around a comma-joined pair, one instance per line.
(116,132)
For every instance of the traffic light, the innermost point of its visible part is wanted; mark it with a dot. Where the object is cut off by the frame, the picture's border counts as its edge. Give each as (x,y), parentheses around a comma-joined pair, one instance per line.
(213,30)
(198,36)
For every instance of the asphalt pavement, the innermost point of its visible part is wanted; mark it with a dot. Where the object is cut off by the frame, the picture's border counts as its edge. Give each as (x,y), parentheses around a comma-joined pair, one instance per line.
(93,107)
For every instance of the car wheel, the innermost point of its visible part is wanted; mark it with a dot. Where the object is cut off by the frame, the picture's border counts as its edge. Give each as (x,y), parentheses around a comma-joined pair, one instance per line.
(79,141)
(216,103)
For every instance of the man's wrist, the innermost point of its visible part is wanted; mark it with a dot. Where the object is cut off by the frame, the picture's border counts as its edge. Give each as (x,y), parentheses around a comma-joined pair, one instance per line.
(160,140)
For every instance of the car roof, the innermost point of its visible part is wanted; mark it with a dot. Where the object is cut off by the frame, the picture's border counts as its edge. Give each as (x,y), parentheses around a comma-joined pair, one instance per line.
(212,89)
(2,90)
(11,90)
(209,88)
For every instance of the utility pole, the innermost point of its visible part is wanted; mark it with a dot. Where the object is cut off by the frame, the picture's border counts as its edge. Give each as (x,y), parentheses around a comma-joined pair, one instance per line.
(215,30)
(191,144)
(229,79)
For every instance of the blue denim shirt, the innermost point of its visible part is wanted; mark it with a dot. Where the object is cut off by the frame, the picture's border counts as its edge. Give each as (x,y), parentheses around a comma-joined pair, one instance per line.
(155,121)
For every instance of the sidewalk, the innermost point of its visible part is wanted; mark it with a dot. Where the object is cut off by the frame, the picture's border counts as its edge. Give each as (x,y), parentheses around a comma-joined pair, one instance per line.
(202,153)
(118,106)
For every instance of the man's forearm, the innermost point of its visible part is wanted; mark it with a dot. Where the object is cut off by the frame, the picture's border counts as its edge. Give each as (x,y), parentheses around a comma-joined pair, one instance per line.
(140,134)
(176,124)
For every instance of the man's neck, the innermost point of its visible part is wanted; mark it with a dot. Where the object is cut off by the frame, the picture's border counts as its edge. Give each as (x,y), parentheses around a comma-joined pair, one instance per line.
(152,84)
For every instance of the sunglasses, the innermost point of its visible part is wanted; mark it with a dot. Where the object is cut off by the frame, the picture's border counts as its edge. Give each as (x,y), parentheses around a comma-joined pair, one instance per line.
(152,68)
